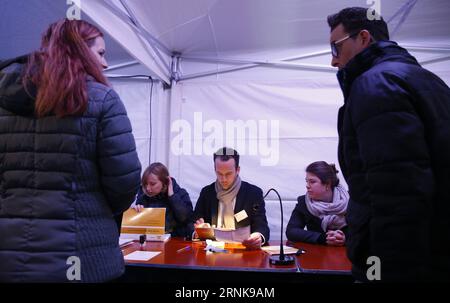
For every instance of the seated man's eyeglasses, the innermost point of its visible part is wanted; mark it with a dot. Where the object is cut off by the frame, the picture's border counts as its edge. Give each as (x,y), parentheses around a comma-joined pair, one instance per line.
(334,45)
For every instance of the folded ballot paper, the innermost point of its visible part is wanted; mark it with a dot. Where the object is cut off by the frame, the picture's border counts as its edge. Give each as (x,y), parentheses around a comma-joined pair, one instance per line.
(149,221)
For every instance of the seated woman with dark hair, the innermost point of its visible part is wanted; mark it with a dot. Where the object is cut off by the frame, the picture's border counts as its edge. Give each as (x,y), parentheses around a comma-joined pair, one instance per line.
(322,210)
(160,190)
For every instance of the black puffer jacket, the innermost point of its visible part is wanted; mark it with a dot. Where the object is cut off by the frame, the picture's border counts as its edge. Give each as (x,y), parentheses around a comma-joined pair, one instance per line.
(61,180)
(394,152)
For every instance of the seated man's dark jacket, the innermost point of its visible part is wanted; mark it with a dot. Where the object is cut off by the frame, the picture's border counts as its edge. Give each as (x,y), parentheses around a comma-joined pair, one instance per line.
(394,152)
(249,198)
(178,209)
(301,217)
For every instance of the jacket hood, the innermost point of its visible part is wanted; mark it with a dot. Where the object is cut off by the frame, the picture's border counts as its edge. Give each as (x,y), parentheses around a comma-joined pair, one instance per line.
(13,96)
(377,53)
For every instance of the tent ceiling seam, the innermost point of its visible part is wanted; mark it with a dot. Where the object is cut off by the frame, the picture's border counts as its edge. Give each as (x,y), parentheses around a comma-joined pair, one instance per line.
(406,9)
(120,65)
(145,33)
(123,17)
(180,25)
(158,43)
(215,40)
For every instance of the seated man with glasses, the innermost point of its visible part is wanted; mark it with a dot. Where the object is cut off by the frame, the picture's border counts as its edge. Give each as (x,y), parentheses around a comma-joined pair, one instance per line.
(394,152)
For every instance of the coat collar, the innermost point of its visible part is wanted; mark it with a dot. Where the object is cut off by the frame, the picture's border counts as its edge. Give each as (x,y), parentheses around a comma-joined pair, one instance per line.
(376,53)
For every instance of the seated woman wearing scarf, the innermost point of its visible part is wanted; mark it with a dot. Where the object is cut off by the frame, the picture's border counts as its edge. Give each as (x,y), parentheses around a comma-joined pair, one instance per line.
(322,210)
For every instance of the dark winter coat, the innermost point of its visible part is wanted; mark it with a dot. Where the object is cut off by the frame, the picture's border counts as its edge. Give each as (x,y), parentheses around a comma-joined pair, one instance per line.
(61,181)
(394,152)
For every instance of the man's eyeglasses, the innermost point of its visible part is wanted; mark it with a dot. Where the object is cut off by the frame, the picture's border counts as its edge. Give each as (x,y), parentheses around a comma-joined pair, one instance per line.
(334,49)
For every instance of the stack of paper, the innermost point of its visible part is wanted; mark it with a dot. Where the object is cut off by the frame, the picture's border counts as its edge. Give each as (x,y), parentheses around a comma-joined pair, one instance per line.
(232,235)
(148,221)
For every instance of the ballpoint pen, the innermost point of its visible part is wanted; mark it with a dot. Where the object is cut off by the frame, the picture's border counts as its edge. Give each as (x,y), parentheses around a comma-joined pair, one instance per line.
(184,249)
(300,251)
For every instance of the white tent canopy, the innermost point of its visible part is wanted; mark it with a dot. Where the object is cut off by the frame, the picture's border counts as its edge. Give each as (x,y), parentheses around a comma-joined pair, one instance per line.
(238,34)
(250,74)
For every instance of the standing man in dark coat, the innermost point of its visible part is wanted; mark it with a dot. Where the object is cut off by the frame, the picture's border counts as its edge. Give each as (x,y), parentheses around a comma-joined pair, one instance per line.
(394,152)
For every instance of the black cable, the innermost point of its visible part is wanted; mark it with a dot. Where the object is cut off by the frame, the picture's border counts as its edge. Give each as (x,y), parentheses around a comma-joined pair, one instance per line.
(129,76)
(150,122)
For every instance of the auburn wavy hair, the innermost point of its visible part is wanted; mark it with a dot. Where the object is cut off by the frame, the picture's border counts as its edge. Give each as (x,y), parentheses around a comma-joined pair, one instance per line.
(160,171)
(60,67)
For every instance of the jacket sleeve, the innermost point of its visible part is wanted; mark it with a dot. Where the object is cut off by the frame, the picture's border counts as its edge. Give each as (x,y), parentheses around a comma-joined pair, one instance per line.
(181,204)
(119,165)
(394,154)
(200,210)
(295,230)
(259,219)
(140,198)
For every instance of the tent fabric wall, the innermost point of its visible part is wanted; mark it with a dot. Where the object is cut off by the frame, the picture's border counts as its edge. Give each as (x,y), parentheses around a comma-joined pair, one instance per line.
(305,104)
(299,127)
(301,102)
(148,110)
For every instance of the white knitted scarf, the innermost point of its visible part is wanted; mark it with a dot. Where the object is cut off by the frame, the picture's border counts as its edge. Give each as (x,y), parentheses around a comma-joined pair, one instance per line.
(226,198)
(332,213)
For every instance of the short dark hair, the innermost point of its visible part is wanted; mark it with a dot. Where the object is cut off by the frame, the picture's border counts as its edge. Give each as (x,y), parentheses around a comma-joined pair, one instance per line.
(327,173)
(354,19)
(225,154)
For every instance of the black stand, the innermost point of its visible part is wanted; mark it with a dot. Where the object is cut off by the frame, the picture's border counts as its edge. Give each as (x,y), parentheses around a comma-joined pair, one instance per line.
(280,259)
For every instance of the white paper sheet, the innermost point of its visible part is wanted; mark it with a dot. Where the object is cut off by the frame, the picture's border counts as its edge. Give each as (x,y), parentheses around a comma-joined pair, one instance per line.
(141,255)
(229,236)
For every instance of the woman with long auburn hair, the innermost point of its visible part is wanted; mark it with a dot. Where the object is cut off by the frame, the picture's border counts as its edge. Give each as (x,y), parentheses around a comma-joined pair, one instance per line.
(68,161)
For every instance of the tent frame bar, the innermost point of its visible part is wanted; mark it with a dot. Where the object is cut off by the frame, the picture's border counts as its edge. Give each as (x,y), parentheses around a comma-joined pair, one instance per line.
(138,28)
(249,61)
(435,60)
(426,48)
(120,65)
(140,32)
(311,67)
(174,72)
(246,64)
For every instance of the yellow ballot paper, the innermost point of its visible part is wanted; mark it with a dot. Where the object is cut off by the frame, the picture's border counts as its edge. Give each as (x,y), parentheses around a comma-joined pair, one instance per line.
(149,221)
